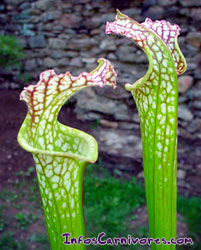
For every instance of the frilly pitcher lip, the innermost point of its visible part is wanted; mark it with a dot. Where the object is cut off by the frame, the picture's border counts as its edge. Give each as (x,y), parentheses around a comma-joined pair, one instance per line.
(97,77)
(140,33)
(109,78)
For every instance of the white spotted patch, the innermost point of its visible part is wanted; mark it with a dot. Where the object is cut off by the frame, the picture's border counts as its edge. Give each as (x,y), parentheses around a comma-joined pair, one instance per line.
(159,145)
(48,173)
(55,179)
(67,176)
(48,159)
(163,108)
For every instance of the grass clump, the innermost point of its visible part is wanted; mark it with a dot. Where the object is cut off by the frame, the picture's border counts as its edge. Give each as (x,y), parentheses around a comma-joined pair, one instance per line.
(24,220)
(3,222)
(109,203)
(12,56)
(8,242)
(190,208)
(42,239)
(11,52)
(8,196)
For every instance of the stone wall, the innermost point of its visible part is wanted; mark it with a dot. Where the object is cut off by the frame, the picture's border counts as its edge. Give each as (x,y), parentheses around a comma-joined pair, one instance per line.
(70,36)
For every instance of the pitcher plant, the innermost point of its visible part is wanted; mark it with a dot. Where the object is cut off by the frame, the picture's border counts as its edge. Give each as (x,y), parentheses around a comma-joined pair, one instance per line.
(156,97)
(60,152)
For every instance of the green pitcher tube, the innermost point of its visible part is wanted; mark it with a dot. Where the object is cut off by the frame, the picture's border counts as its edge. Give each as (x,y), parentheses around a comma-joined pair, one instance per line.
(156,97)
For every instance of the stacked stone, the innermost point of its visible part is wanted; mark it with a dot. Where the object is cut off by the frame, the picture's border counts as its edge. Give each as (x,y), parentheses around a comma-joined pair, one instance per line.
(70,35)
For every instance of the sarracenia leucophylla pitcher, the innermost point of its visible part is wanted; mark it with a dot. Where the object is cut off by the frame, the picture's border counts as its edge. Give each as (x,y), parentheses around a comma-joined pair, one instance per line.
(60,152)
(156,97)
